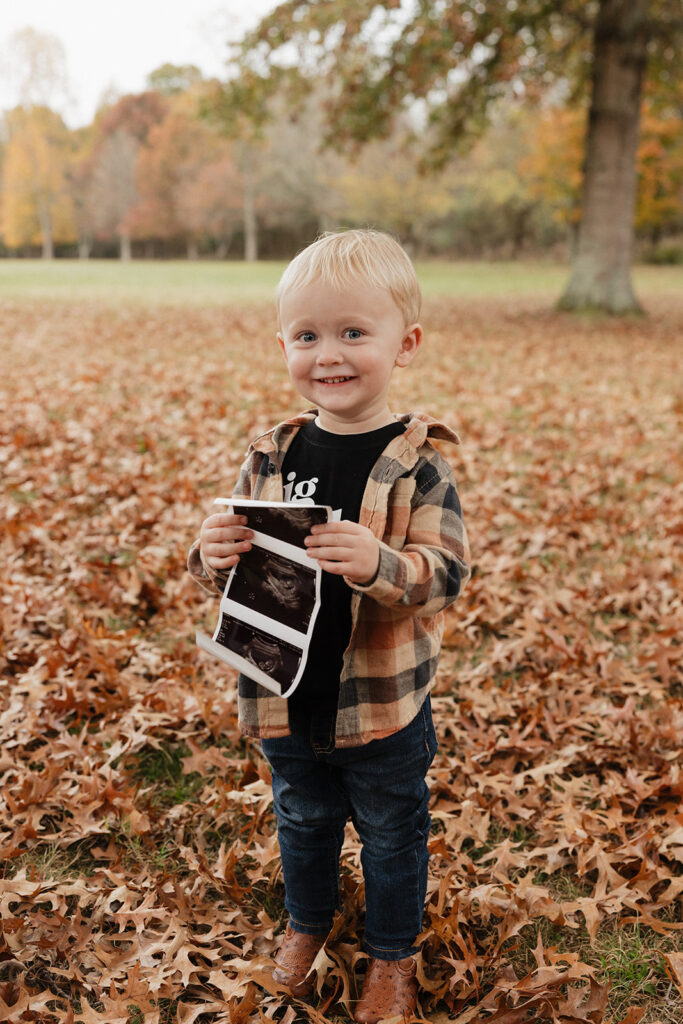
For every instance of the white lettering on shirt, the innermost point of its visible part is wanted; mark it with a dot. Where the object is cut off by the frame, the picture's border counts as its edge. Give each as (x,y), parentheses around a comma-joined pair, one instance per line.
(302,493)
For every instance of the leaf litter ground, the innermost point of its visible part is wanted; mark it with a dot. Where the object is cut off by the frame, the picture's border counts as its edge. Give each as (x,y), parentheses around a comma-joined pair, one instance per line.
(141,876)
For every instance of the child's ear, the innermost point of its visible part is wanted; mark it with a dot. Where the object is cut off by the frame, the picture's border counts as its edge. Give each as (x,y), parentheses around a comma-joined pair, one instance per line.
(412,340)
(281,343)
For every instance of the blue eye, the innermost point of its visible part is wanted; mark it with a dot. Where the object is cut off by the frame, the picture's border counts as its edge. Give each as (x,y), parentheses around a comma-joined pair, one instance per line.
(306,336)
(353,334)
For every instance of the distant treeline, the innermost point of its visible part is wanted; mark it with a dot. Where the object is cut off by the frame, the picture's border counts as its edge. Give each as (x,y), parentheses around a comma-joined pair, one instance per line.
(156,176)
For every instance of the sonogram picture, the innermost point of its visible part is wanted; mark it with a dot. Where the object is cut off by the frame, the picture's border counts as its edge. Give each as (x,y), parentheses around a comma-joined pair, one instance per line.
(271,596)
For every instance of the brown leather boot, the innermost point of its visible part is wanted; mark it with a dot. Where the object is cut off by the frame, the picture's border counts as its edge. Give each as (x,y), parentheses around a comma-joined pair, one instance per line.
(389,990)
(294,959)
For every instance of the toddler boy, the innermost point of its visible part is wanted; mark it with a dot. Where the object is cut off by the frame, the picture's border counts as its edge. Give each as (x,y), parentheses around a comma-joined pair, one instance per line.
(356,738)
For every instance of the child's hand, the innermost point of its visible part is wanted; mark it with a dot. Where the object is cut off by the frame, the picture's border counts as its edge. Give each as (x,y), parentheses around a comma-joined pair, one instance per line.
(345,548)
(222,537)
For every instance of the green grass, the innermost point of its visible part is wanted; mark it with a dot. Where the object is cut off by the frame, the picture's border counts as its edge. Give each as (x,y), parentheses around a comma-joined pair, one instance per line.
(181,282)
(110,282)
(58,863)
(627,958)
(161,769)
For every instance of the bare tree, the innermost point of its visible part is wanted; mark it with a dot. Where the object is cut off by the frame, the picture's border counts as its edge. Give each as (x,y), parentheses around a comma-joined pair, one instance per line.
(113,188)
(34,67)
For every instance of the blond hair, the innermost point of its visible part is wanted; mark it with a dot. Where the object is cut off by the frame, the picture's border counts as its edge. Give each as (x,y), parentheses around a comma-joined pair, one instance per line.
(341,258)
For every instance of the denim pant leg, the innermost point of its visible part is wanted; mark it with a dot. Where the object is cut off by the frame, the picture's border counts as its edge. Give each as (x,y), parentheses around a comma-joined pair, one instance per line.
(389,798)
(311,812)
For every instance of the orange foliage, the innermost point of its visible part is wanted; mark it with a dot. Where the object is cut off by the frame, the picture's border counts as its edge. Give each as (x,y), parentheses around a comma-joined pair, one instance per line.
(187,182)
(660,170)
(35,205)
(554,162)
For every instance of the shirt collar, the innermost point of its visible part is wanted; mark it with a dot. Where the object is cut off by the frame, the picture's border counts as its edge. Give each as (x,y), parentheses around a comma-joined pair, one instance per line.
(419,426)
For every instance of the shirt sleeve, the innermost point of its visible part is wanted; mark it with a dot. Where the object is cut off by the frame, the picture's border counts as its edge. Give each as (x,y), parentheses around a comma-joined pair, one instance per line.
(213,580)
(429,572)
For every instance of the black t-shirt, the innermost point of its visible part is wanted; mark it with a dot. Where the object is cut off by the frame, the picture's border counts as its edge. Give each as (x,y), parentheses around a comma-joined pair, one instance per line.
(330,469)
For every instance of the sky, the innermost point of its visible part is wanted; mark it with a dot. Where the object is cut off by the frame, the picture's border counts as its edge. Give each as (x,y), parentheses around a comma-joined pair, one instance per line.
(114,46)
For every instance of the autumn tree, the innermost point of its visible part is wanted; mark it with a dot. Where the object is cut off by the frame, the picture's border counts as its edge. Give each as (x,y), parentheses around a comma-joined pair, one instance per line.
(172,79)
(383,186)
(36,205)
(79,186)
(659,206)
(240,115)
(187,181)
(552,165)
(210,204)
(456,57)
(623,33)
(120,132)
(494,209)
(555,157)
(35,201)
(114,192)
(299,183)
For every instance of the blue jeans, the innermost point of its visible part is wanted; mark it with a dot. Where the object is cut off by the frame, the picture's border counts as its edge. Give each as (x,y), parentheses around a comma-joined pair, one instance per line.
(381,787)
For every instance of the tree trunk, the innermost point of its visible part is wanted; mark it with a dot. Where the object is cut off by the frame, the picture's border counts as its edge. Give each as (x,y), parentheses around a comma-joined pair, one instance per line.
(249,212)
(520,221)
(601,268)
(46,232)
(192,249)
(125,248)
(84,247)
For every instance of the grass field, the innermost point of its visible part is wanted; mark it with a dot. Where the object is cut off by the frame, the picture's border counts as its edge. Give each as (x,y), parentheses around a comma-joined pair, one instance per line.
(140,875)
(215,283)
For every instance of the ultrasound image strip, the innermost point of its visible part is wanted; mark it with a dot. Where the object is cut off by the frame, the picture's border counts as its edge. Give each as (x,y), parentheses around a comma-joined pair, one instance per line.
(290,525)
(275,587)
(271,596)
(276,658)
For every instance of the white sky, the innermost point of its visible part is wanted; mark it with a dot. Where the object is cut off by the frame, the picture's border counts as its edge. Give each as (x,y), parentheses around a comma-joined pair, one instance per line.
(116,45)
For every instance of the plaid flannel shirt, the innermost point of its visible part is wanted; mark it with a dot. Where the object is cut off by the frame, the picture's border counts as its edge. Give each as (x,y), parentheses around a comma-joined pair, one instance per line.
(411,505)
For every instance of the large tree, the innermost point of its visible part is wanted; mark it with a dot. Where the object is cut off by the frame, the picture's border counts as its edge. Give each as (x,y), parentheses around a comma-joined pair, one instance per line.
(554,158)
(239,115)
(35,205)
(119,133)
(187,182)
(451,59)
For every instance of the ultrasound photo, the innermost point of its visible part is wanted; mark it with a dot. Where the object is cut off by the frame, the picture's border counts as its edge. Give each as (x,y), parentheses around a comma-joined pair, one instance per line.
(274,586)
(290,524)
(277,658)
(271,596)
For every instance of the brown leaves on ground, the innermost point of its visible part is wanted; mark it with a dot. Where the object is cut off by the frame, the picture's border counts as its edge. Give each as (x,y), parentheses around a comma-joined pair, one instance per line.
(141,865)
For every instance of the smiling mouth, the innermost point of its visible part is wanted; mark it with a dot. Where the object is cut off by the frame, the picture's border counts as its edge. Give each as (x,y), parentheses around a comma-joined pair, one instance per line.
(333,380)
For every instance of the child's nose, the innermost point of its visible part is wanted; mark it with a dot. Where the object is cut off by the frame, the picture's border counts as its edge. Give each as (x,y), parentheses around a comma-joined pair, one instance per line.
(328,353)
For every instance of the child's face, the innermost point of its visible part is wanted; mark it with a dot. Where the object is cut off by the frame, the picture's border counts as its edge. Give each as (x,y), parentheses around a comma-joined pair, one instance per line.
(341,346)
